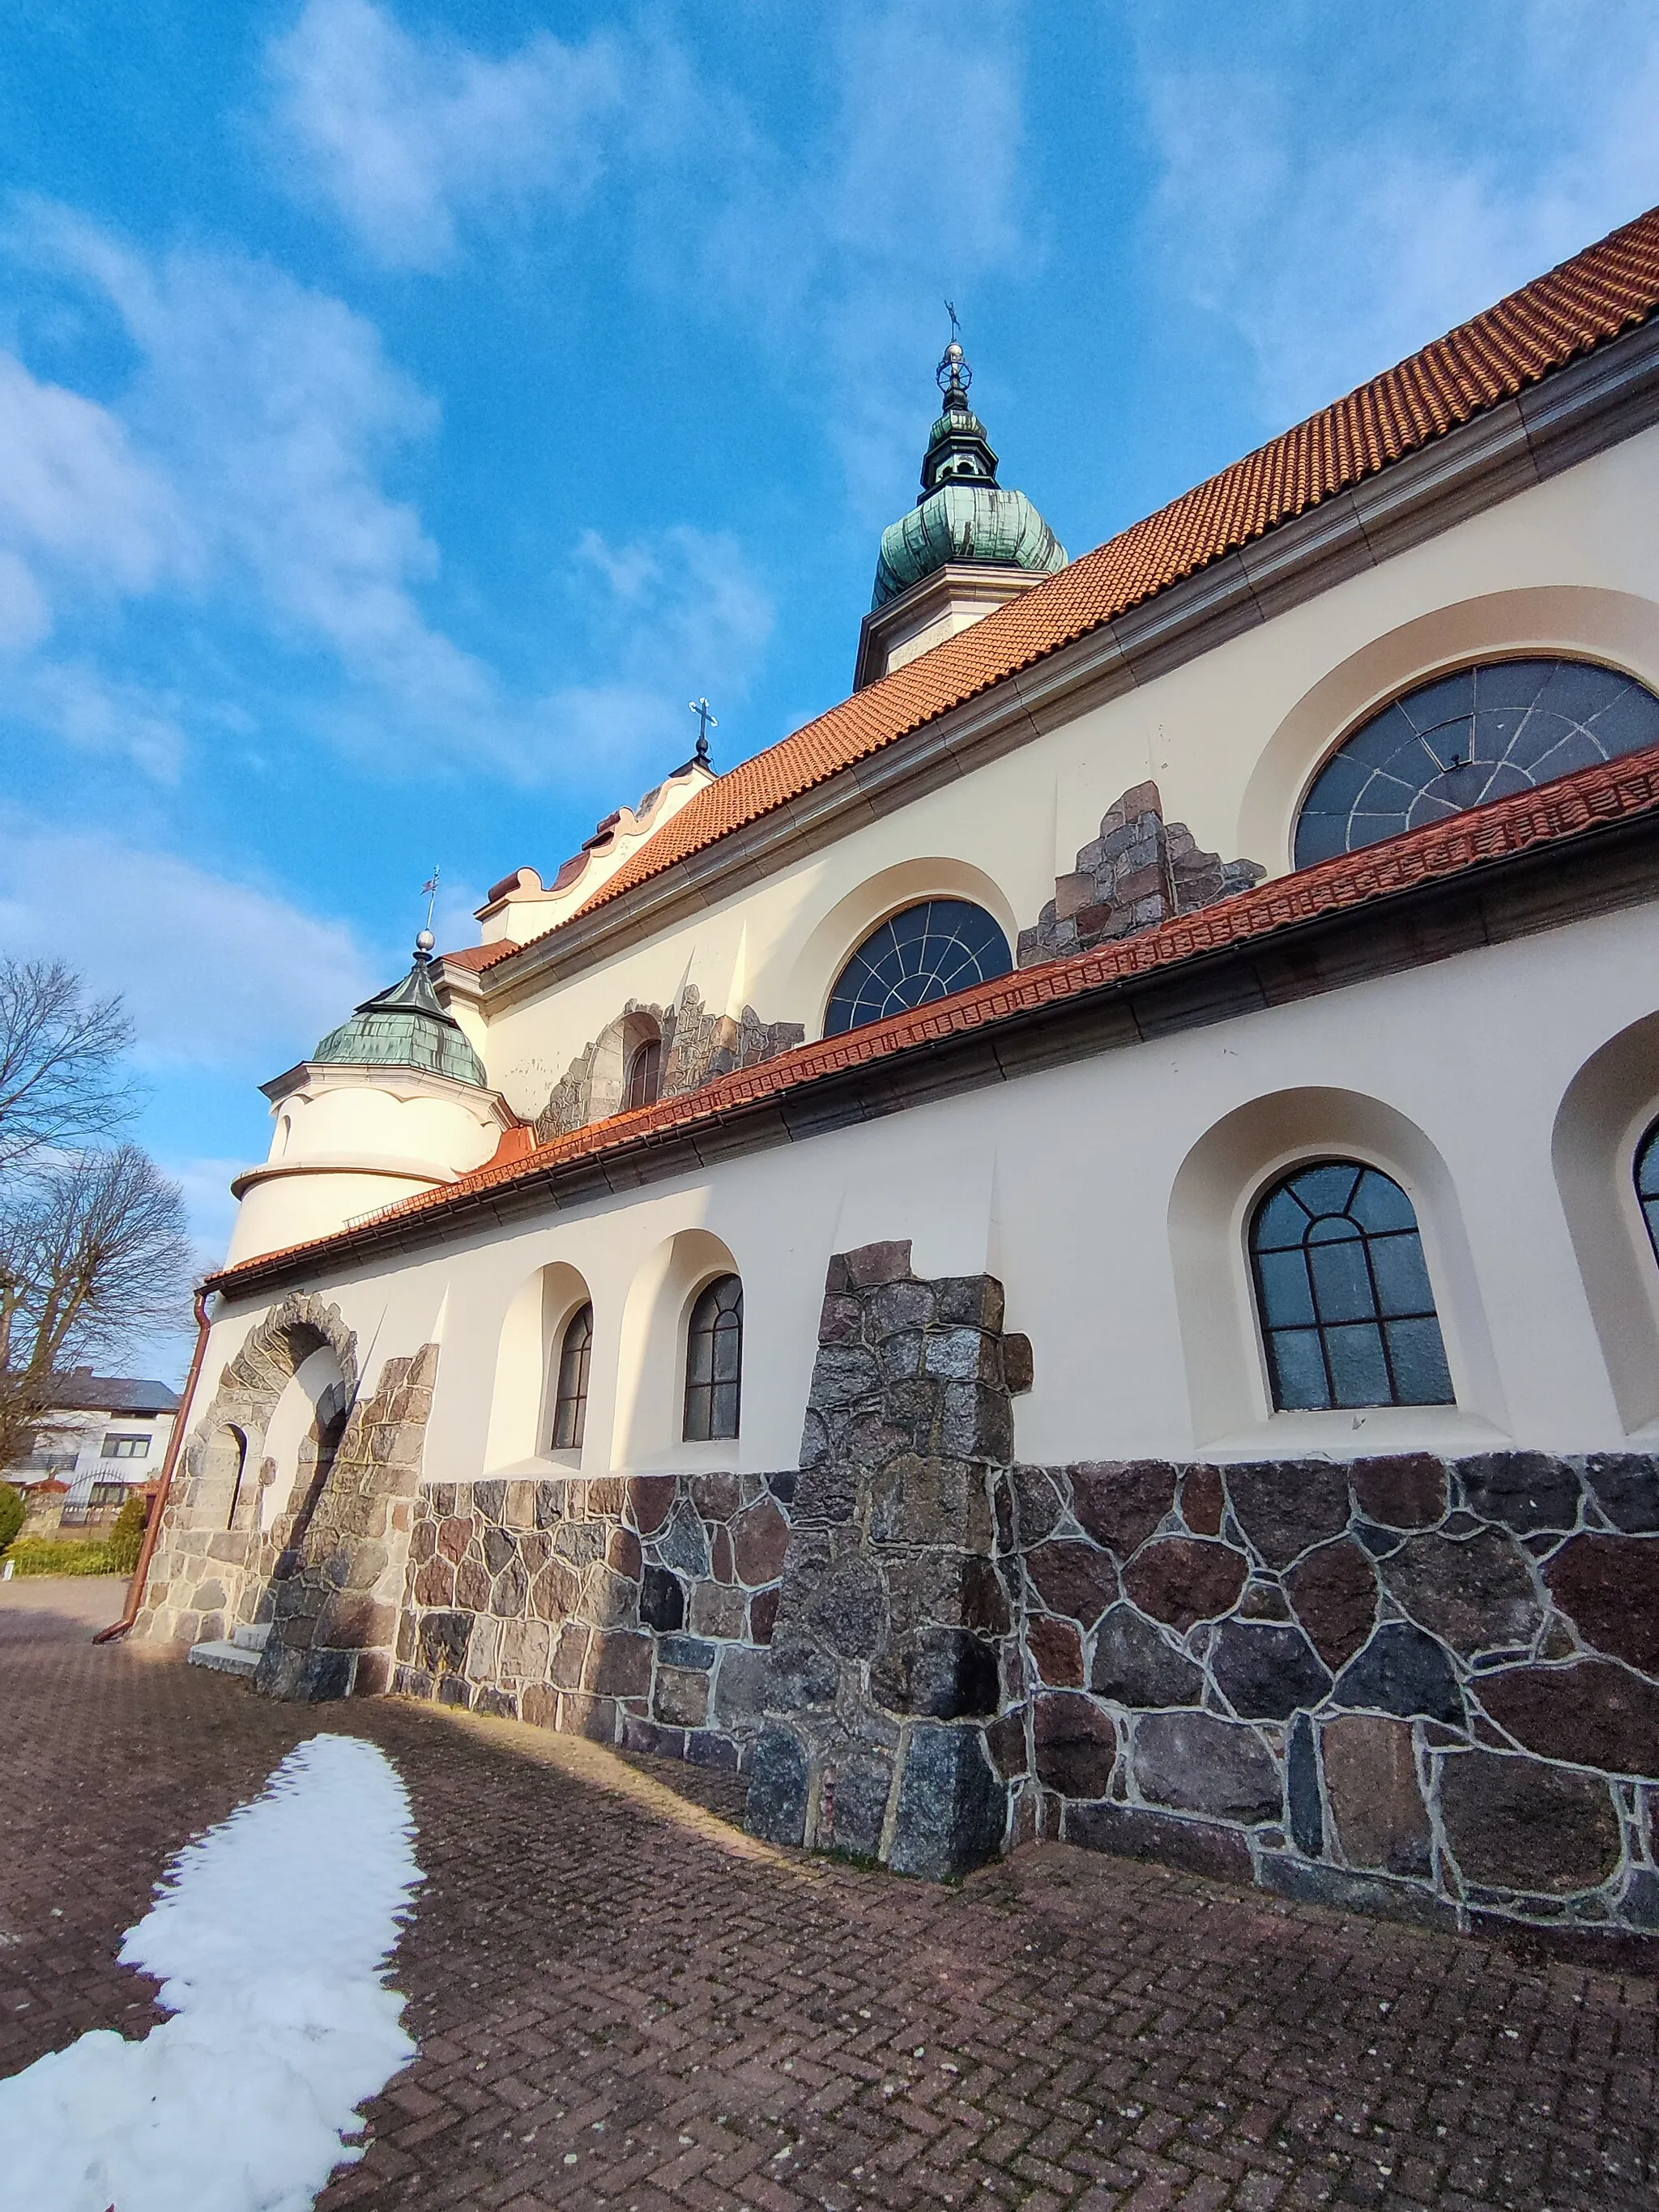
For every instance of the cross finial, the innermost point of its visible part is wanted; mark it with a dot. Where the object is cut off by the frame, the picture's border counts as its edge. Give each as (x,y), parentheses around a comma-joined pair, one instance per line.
(426,941)
(953,376)
(707,721)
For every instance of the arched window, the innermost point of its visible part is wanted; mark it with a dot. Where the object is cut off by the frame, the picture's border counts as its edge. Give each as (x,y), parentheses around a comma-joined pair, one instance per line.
(570,1392)
(1483,733)
(924,953)
(1647,1184)
(1347,1310)
(644,1075)
(714,1361)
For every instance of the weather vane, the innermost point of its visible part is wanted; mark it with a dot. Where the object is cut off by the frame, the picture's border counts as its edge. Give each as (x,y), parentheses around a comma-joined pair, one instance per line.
(953,376)
(707,721)
(426,941)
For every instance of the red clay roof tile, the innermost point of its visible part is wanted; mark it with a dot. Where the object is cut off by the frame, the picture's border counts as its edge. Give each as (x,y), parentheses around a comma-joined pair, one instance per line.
(1583,303)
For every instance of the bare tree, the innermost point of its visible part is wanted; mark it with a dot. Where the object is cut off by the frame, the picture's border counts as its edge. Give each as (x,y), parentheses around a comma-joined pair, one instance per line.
(93,1251)
(60,1083)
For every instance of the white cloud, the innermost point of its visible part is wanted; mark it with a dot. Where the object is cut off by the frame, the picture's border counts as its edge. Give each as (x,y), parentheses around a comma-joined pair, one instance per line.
(215,974)
(405,138)
(77,506)
(1338,235)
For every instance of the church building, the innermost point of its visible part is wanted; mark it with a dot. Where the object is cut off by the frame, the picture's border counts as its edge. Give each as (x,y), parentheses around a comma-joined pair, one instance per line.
(1072,1249)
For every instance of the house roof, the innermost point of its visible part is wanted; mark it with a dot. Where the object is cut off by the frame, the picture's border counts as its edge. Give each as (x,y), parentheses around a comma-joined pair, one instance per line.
(81,1391)
(1585,302)
(1552,815)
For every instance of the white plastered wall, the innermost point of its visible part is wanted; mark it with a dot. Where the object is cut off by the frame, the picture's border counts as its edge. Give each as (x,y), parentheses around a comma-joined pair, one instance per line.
(1077,1188)
(1232,740)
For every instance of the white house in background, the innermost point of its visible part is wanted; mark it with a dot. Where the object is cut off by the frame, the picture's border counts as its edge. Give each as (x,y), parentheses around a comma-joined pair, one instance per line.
(104,1437)
(1073,1247)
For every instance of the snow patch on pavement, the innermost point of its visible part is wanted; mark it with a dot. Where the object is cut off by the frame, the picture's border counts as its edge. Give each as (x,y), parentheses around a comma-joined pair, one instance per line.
(270,1934)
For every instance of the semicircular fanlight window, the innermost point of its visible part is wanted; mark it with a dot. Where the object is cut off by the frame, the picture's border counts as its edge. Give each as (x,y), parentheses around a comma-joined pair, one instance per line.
(1462,740)
(926,952)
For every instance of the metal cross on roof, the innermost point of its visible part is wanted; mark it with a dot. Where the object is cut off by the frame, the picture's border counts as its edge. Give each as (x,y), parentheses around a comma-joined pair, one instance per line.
(707,721)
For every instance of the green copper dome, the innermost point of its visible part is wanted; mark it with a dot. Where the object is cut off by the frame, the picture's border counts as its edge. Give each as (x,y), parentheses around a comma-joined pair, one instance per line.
(404,1027)
(962,513)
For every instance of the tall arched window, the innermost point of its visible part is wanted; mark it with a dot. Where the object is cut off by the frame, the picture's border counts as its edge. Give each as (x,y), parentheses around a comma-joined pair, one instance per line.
(1647,1184)
(714,1361)
(924,953)
(1346,1308)
(570,1392)
(1481,734)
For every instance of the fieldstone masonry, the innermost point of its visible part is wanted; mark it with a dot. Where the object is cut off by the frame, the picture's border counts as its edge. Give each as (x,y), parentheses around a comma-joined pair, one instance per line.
(633,1610)
(215,1564)
(335,1594)
(896,1653)
(697,1046)
(1135,874)
(1406,1684)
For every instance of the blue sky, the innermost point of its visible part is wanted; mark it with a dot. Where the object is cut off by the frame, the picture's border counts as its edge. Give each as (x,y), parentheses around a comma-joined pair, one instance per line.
(405,408)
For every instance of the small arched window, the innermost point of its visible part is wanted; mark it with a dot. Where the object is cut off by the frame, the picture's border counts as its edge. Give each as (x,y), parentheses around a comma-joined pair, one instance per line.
(714,1361)
(644,1076)
(1346,1308)
(925,953)
(570,1391)
(1647,1184)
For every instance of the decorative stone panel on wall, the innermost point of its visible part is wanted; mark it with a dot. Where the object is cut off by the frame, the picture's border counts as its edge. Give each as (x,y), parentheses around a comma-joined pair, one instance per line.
(1408,1685)
(214,1567)
(697,1045)
(895,1655)
(634,1610)
(334,1596)
(1135,874)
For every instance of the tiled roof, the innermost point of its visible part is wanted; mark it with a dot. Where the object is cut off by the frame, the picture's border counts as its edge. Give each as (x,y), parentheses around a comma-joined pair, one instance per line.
(1600,292)
(81,1392)
(1553,814)
(476,957)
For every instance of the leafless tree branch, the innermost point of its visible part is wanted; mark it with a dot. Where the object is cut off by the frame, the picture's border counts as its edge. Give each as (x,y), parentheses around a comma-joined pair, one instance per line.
(60,1084)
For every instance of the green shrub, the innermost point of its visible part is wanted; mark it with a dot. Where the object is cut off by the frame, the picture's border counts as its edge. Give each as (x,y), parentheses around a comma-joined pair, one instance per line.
(12,1510)
(126,1537)
(42,1555)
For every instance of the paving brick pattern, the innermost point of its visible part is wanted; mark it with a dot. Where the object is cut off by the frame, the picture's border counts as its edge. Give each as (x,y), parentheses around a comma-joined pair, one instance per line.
(623,2001)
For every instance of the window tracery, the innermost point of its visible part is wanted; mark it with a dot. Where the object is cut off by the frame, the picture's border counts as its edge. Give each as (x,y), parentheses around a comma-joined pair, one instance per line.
(925,953)
(1482,734)
(570,1391)
(713,1362)
(1347,1308)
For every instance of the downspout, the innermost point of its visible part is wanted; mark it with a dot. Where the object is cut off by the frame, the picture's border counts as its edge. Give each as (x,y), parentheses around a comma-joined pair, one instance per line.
(175,1445)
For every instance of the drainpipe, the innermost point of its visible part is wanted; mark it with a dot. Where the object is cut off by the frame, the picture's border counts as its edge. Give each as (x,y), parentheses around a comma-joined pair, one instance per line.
(175,1445)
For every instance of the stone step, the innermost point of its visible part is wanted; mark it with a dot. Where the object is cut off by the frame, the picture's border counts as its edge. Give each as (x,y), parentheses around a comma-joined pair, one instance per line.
(228,1658)
(252,1639)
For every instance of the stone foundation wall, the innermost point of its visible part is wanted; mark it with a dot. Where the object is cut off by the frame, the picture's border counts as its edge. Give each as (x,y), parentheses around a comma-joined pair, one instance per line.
(896,1649)
(1402,1684)
(636,1611)
(334,1596)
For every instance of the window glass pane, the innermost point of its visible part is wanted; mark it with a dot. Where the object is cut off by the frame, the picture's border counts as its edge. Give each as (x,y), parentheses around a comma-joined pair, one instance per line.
(1342,1283)
(728,1351)
(723,1414)
(696,1417)
(1421,1375)
(1402,1276)
(1298,1369)
(1281,1223)
(1379,1203)
(1285,1296)
(1647,1169)
(1358,1368)
(700,1355)
(1328,1188)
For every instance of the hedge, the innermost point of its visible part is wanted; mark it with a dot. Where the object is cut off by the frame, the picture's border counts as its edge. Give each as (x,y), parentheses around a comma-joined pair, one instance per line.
(43,1555)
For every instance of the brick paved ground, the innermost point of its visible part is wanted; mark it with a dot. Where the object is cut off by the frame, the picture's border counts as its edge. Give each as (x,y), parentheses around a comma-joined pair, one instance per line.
(620,2001)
